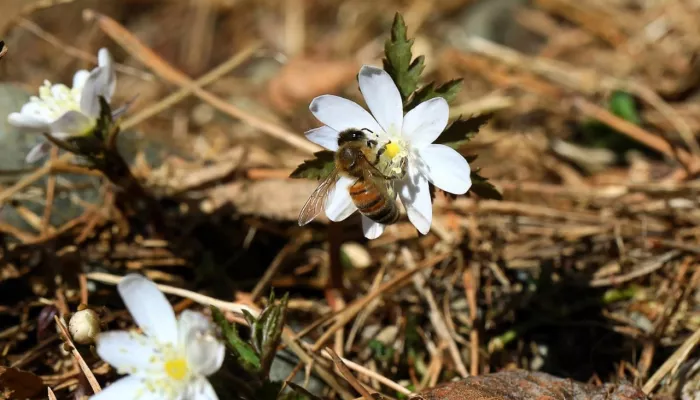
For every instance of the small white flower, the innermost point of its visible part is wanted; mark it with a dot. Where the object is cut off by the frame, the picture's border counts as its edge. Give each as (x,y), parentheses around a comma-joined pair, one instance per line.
(65,112)
(408,141)
(170,360)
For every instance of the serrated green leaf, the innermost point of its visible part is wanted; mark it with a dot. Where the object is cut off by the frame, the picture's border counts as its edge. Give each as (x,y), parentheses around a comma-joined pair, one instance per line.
(397,61)
(483,188)
(624,106)
(245,355)
(447,91)
(273,324)
(317,168)
(462,130)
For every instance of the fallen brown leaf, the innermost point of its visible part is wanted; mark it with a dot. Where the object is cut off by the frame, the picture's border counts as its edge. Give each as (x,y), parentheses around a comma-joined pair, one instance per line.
(524,385)
(302,79)
(18,384)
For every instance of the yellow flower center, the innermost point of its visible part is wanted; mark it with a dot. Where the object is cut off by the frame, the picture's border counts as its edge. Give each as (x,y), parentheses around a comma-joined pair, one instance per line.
(392,149)
(177,368)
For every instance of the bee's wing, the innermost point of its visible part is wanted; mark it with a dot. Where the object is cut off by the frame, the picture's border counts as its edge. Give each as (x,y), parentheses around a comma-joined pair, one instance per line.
(315,203)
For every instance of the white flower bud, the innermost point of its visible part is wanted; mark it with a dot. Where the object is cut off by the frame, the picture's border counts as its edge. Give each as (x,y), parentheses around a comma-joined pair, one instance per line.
(84,326)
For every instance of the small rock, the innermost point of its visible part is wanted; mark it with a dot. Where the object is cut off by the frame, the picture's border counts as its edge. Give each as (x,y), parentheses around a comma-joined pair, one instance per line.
(84,326)
(357,255)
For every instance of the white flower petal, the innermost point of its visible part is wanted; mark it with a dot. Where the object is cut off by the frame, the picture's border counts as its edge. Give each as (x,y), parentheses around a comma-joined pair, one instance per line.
(339,205)
(72,123)
(205,353)
(38,152)
(382,97)
(100,82)
(128,352)
(201,389)
(129,387)
(149,308)
(80,78)
(109,77)
(423,124)
(371,229)
(28,121)
(446,168)
(325,137)
(341,114)
(415,196)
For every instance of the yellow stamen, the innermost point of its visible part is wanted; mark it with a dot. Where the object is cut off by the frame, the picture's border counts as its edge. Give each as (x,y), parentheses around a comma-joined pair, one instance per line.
(392,149)
(176,368)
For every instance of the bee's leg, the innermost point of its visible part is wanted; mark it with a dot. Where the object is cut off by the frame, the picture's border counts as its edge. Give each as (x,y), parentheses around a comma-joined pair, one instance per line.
(372,143)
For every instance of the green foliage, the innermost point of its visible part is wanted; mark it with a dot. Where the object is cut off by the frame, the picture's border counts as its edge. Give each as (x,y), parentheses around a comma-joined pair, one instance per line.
(598,134)
(317,168)
(623,105)
(462,130)
(249,368)
(447,91)
(483,188)
(266,330)
(245,355)
(398,64)
(381,351)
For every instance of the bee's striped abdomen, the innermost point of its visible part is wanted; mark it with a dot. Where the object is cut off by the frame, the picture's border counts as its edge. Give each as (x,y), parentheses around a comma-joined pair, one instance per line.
(373,204)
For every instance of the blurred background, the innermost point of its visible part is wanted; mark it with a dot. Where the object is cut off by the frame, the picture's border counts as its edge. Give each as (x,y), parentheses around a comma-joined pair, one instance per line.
(586,269)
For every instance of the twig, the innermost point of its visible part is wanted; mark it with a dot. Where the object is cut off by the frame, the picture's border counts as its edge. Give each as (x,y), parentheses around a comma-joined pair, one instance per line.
(484,105)
(148,57)
(471,285)
(672,362)
(634,131)
(199,298)
(369,373)
(50,195)
(646,268)
(348,375)
(78,358)
(208,78)
(76,52)
(436,316)
(355,307)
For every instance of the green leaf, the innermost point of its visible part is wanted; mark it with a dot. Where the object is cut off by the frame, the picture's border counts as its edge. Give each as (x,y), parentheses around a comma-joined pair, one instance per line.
(398,64)
(272,326)
(244,353)
(447,91)
(317,168)
(483,188)
(462,130)
(623,105)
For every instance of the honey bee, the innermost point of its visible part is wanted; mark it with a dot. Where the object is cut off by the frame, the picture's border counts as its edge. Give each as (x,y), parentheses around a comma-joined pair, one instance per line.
(372,192)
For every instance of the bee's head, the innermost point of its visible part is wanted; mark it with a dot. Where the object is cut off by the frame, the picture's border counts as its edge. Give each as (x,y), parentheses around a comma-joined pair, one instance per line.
(351,135)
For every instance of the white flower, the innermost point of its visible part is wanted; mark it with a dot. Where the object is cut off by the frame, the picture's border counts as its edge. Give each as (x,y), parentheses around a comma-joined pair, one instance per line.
(170,360)
(408,141)
(67,112)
